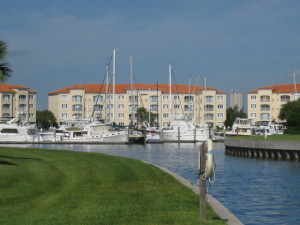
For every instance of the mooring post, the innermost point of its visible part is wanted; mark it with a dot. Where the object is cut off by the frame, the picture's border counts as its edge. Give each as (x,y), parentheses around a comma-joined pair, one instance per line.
(202,182)
(178,134)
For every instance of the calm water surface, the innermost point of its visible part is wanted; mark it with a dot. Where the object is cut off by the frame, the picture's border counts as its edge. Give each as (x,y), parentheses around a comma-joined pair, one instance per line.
(256,191)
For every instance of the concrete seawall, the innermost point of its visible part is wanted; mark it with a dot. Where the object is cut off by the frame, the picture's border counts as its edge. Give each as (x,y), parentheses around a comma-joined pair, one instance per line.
(266,149)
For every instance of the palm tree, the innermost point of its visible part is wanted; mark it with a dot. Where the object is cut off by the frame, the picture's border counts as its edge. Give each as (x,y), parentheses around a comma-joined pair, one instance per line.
(5,70)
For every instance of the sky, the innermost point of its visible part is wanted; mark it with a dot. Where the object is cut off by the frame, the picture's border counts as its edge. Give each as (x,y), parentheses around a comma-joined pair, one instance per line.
(240,45)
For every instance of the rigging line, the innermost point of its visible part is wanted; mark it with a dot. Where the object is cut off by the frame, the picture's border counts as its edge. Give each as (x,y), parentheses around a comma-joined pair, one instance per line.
(100,90)
(177,91)
(139,94)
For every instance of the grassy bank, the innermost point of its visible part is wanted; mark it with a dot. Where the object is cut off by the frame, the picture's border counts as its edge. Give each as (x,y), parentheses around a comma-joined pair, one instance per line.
(283,137)
(61,187)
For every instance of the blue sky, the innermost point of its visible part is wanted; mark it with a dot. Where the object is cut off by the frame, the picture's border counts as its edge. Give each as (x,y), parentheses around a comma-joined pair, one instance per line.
(234,44)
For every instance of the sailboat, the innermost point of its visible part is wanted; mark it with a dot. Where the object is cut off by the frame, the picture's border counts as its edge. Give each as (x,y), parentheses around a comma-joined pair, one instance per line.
(182,128)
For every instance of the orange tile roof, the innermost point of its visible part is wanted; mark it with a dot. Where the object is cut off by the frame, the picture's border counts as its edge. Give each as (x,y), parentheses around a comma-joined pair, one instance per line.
(122,88)
(10,88)
(280,88)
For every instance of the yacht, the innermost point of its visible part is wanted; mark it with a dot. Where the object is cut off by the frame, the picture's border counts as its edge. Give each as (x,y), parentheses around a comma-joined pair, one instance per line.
(185,130)
(14,131)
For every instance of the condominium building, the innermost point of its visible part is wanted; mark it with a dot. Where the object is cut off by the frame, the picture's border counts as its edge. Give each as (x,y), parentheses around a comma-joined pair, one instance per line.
(118,103)
(18,101)
(236,99)
(264,104)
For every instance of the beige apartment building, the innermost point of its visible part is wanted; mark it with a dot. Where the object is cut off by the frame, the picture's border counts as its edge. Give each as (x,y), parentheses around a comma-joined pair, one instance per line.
(18,101)
(118,103)
(264,104)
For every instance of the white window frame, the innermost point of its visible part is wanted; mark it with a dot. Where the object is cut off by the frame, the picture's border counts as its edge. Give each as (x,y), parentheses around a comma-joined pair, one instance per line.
(64,97)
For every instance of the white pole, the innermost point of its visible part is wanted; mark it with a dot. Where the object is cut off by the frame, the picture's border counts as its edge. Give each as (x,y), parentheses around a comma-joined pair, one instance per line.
(170,89)
(149,108)
(131,87)
(114,82)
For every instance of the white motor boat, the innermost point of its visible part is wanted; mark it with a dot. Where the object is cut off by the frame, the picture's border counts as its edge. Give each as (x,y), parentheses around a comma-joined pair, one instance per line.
(12,131)
(185,130)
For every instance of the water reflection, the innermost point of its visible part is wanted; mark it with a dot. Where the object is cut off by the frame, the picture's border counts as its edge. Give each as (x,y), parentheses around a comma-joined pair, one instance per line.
(257,191)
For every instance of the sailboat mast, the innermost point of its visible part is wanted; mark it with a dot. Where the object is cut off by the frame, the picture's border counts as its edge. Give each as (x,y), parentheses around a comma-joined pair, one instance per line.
(114,82)
(131,87)
(170,89)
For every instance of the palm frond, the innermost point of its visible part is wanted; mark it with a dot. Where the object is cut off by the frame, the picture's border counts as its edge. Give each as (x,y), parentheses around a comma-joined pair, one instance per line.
(5,72)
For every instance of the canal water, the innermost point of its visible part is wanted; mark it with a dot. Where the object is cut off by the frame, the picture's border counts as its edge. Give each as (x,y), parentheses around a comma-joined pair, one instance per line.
(256,191)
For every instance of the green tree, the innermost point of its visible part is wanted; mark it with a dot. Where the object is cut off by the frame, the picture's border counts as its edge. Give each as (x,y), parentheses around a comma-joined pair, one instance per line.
(45,119)
(232,114)
(5,70)
(291,113)
(143,115)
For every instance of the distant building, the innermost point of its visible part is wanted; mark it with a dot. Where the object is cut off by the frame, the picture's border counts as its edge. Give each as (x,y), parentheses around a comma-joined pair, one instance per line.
(236,99)
(17,101)
(264,104)
(99,101)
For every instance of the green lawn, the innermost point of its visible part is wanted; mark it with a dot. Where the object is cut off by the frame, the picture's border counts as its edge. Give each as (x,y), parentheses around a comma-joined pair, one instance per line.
(62,187)
(283,137)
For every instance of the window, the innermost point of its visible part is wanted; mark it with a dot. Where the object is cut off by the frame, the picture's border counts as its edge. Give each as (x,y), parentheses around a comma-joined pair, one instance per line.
(5,115)
(220,97)
(166,124)
(265,107)
(64,106)
(165,106)
(110,97)
(253,97)
(265,98)
(6,107)
(110,115)
(22,98)
(97,98)
(64,115)
(6,98)
(188,108)
(31,97)
(133,98)
(220,115)
(98,107)
(64,97)
(209,98)
(165,97)
(77,107)
(285,98)
(133,107)
(176,97)
(220,106)
(176,106)
(77,115)
(122,124)
(188,98)
(31,106)
(154,98)
(121,97)
(121,115)
(77,98)
(253,106)
(208,108)
(208,116)
(121,106)
(265,116)
(110,106)
(22,107)
(153,107)
(253,115)
(165,115)
(98,115)
(31,115)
